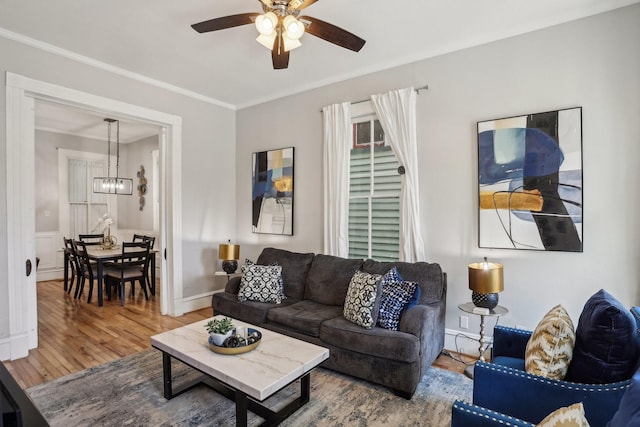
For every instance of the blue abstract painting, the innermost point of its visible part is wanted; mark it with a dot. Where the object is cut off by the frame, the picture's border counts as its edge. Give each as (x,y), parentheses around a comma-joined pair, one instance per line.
(272,191)
(530,181)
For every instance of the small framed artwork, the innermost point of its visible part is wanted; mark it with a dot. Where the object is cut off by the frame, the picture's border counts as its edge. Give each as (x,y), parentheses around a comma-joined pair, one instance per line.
(530,182)
(272,188)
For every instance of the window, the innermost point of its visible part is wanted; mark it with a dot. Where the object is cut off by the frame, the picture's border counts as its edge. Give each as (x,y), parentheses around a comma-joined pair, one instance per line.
(374,194)
(79,207)
(85,207)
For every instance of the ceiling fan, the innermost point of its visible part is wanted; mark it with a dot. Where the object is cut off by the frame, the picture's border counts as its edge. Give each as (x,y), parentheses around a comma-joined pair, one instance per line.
(281,27)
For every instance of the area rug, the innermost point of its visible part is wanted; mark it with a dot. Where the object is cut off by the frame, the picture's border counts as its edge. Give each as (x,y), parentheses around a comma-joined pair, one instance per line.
(129,392)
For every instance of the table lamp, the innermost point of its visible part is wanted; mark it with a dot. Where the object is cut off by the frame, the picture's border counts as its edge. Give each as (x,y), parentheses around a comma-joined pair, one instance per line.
(229,255)
(485,280)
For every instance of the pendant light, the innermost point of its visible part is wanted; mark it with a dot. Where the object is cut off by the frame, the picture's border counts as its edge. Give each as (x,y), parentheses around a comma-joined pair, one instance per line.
(115,185)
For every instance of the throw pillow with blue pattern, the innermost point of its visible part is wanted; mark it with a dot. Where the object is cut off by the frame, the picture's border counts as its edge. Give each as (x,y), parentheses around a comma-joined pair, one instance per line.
(395,297)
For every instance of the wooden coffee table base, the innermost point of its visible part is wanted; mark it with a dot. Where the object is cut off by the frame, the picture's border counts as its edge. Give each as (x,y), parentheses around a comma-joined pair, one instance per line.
(243,402)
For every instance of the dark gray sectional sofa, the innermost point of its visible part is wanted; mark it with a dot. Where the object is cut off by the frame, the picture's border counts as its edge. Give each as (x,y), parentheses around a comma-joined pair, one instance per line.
(316,287)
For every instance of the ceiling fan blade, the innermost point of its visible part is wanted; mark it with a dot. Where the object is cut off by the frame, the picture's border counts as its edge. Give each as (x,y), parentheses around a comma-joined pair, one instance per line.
(279,56)
(300,4)
(225,22)
(333,34)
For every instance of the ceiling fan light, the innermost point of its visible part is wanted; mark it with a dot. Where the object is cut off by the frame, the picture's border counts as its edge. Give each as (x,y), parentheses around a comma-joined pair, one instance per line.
(294,29)
(267,40)
(266,23)
(290,44)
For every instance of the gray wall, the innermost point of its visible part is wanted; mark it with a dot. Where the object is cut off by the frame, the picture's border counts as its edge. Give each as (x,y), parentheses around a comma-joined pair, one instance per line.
(132,156)
(208,156)
(593,63)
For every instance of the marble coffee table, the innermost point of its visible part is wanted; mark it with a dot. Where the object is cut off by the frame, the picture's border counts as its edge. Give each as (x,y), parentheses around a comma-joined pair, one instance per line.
(247,378)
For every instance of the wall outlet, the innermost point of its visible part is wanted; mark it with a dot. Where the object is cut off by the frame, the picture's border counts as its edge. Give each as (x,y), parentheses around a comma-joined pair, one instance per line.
(464,322)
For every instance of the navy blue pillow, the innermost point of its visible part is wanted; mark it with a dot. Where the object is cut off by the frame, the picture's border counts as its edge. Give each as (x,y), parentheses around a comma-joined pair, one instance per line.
(628,414)
(605,350)
(415,299)
(395,294)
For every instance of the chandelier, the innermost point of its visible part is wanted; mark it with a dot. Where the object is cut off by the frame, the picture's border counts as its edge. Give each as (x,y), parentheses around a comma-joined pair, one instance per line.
(108,184)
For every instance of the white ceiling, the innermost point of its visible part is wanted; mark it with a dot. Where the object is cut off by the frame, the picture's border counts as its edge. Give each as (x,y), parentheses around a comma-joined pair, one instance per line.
(154,40)
(59,118)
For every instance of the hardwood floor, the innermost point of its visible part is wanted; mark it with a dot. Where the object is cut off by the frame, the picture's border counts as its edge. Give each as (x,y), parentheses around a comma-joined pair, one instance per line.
(74,335)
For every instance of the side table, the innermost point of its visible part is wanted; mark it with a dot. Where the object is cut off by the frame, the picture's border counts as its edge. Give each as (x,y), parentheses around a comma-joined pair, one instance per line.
(497,311)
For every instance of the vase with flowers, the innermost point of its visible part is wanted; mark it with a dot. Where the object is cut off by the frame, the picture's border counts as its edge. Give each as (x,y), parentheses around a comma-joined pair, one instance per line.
(104,226)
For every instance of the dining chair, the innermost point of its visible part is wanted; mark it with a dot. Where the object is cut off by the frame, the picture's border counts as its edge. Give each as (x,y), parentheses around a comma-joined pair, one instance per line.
(152,241)
(73,265)
(88,269)
(91,239)
(130,267)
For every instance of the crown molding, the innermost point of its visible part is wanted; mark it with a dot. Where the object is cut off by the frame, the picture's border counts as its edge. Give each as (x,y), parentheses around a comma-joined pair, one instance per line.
(110,68)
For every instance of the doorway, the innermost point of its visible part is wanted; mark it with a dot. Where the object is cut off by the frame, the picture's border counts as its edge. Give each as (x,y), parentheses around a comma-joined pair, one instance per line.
(22,93)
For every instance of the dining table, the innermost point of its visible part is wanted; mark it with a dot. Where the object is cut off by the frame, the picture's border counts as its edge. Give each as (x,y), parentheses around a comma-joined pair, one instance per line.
(101,255)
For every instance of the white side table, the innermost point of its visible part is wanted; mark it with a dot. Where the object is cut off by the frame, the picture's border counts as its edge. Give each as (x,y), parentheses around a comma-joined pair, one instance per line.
(497,311)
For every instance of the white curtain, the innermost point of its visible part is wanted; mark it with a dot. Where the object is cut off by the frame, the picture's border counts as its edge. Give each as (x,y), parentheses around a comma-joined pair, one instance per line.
(396,111)
(337,142)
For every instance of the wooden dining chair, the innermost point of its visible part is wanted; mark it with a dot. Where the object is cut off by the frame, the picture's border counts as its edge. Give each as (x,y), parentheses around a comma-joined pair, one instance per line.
(130,267)
(88,269)
(152,241)
(74,267)
(91,239)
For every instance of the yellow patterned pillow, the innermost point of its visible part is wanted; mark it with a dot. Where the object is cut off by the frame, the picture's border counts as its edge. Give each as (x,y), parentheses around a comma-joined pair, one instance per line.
(550,348)
(570,416)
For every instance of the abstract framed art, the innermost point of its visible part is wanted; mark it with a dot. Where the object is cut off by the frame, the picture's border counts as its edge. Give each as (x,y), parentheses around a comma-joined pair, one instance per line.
(530,182)
(272,191)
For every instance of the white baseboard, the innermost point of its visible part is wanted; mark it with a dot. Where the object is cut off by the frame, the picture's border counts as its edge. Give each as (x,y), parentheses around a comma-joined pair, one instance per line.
(50,274)
(16,347)
(462,341)
(197,302)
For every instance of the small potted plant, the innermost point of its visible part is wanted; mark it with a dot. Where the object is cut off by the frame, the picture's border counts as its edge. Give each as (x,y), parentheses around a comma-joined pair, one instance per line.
(219,329)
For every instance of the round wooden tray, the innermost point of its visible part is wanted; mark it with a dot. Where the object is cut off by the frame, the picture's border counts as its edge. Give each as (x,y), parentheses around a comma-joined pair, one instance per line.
(237,350)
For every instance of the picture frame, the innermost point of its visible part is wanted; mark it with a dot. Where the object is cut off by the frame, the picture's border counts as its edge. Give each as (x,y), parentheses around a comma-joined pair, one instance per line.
(530,193)
(272,191)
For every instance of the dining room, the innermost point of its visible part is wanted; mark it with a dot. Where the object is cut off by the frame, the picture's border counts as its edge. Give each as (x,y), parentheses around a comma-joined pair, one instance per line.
(76,153)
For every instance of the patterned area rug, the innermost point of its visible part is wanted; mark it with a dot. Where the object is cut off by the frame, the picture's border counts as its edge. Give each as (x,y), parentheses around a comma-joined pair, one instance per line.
(129,392)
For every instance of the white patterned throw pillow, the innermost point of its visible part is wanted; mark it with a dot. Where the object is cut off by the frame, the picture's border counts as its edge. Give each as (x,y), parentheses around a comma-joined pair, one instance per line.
(261,283)
(363,299)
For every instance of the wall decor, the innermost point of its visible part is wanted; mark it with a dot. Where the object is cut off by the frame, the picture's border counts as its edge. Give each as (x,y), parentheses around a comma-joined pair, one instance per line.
(272,186)
(142,186)
(530,182)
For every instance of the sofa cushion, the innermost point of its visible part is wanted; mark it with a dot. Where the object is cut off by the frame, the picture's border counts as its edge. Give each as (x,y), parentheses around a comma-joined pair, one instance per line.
(329,278)
(362,303)
(605,349)
(550,347)
(295,268)
(304,316)
(429,276)
(260,283)
(569,416)
(380,342)
(395,295)
(249,311)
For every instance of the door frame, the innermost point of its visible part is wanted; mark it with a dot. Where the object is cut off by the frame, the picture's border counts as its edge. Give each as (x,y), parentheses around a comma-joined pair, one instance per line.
(21,94)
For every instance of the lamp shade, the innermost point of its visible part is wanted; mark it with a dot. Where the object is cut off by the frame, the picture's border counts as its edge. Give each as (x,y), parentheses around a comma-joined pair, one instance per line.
(227,251)
(486,277)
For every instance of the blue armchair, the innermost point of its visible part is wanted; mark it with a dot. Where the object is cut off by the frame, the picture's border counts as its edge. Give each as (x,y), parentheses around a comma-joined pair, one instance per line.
(504,387)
